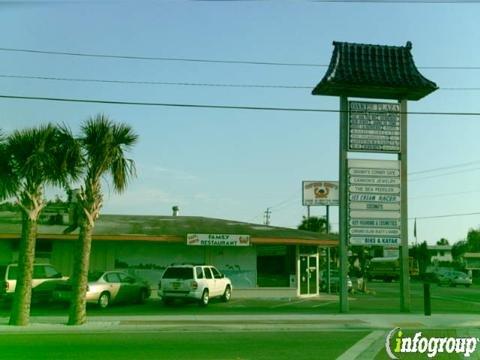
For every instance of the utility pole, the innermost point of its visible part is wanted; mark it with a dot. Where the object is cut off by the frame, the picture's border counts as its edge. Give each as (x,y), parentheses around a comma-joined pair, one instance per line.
(267,216)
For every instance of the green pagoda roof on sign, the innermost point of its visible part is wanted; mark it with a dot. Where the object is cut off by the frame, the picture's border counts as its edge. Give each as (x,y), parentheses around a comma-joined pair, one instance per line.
(374,71)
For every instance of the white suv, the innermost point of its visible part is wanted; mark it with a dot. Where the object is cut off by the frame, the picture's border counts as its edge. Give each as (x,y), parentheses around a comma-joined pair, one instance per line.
(44,279)
(195,282)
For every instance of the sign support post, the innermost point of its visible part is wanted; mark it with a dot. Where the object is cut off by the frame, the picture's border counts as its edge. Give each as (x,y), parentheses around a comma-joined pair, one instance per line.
(343,209)
(328,249)
(404,260)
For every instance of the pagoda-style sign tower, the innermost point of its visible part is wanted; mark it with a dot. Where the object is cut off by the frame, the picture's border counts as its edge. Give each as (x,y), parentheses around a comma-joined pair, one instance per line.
(373,193)
(374,71)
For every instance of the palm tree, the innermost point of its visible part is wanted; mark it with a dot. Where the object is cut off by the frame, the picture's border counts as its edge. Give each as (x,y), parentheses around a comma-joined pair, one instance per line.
(104,144)
(313,223)
(30,159)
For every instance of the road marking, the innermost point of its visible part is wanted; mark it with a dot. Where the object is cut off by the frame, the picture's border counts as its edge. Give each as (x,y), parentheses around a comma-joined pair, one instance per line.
(324,304)
(364,345)
(289,303)
(456,299)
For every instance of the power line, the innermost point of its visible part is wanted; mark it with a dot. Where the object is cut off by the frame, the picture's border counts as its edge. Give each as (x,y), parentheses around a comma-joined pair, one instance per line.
(443,195)
(443,216)
(198,60)
(222,107)
(444,167)
(181,83)
(284,202)
(445,174)
(156,58)
(401,1)
(54,78)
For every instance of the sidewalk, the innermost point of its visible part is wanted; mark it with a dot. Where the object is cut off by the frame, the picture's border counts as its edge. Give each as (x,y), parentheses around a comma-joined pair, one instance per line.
(235,323)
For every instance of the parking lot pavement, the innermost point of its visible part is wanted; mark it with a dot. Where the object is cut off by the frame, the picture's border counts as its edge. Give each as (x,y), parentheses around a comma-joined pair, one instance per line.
(378,309)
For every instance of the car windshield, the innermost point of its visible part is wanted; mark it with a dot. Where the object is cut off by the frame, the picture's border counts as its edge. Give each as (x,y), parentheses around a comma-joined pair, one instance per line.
(184,273)
(94,276)
(12,273)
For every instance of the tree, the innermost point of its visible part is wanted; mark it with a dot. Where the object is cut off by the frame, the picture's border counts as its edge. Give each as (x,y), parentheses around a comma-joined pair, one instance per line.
(420,253)
(458,249)
(443,241)
(315,224)
(473,240)
(103,143)
(29,160)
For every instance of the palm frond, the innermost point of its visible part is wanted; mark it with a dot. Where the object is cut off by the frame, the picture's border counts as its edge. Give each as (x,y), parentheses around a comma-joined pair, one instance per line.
(8,180)
(67,155)
(105,143)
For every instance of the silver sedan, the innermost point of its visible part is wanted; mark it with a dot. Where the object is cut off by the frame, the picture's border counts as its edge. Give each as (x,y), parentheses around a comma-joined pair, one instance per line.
(108,287)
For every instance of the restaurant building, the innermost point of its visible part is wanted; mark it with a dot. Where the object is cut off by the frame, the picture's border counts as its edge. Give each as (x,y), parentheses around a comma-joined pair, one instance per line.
(252,255)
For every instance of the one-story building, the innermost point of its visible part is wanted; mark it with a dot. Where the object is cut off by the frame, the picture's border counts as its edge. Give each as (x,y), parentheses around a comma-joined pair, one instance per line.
(252,255)
(440,253)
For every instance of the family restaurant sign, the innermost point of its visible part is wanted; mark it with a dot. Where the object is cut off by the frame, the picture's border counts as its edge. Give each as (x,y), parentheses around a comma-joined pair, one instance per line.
(218,240)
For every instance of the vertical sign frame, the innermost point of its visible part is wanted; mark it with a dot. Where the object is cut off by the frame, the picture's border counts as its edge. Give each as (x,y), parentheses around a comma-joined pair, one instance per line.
(404,263)
(343,211)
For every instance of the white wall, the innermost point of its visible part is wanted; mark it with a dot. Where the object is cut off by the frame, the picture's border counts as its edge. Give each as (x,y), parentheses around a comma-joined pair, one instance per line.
(149,260)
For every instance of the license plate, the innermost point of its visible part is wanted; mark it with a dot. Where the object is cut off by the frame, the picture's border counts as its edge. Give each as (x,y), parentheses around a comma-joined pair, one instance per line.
(63,296)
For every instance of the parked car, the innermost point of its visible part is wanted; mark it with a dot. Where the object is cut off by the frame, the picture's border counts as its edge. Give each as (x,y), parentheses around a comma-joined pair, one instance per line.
(454,278)
(334,281)
(433,275)
(194,282)
(44,279)
(108,287)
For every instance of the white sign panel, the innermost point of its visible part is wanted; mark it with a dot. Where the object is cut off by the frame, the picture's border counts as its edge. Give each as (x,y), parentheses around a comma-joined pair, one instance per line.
(374,189)
(391,252)
(374,202)
(374,127)
(377,199)
(218,240)
(372,240)
(320,193)
(373,206)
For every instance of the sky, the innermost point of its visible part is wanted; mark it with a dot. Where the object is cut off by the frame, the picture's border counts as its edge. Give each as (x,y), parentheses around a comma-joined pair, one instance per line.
(234,164)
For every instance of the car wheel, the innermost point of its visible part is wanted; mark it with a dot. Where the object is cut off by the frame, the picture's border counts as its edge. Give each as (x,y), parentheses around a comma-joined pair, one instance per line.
(467,285)
(104,300)
(167,301)
(142,297)
(227,294)
(452,284)
(204,299)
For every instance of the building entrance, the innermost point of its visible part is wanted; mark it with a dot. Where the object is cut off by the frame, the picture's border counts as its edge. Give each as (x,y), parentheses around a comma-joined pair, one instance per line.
(308,274)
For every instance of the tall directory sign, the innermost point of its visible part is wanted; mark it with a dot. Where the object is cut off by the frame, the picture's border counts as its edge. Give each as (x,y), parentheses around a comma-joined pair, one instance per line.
(374,186)
(373,194)
(373,205)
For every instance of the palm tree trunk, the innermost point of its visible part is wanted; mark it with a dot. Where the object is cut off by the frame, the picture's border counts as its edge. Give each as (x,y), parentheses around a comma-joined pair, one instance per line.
(23,291)
(78,306)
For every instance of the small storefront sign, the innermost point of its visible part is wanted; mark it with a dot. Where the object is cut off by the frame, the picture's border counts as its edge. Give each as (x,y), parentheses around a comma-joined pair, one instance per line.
(218,240)
(320,193)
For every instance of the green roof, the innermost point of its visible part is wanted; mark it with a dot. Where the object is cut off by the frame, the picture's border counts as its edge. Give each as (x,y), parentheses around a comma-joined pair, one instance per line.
(136,225)
(374,71)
